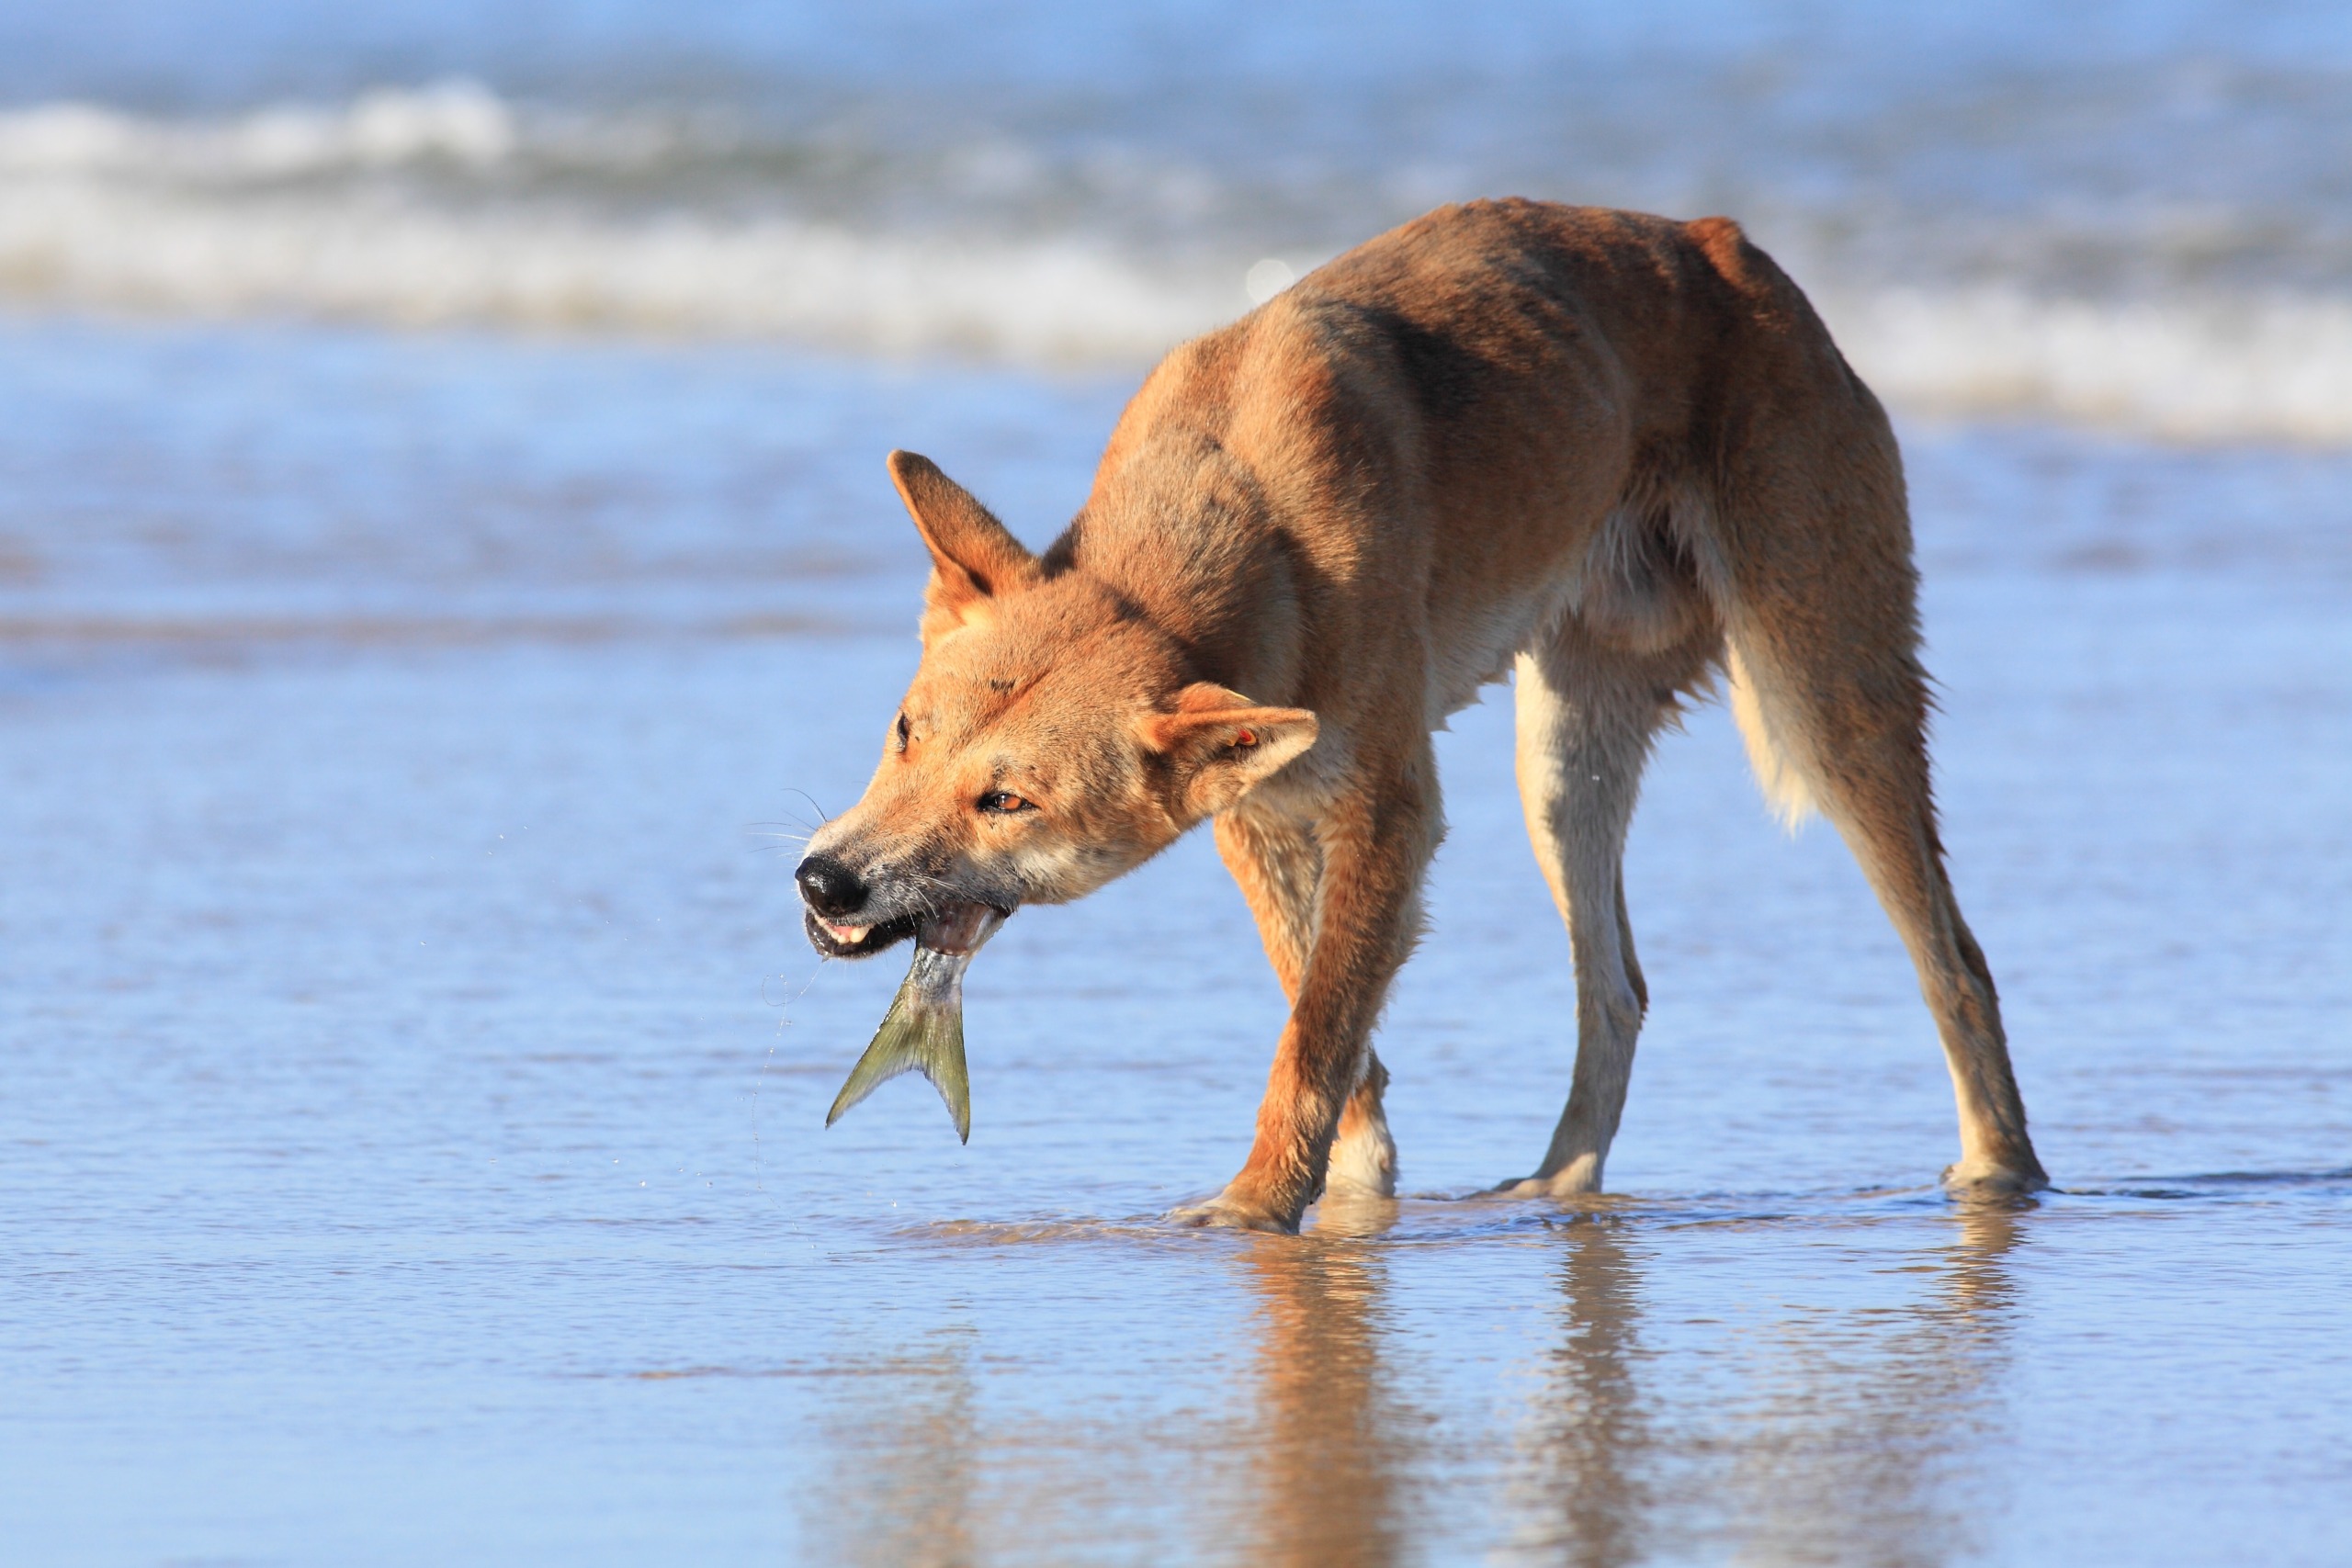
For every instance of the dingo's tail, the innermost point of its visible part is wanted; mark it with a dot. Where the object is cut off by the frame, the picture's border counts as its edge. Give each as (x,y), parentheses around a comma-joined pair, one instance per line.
(1770,746)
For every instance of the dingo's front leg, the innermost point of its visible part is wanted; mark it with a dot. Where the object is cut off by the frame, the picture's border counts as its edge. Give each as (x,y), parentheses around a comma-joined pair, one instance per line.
(1278,865)
(1376,842)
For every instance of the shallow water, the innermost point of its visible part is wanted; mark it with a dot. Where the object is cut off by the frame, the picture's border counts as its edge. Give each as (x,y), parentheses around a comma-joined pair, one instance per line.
(413,1132)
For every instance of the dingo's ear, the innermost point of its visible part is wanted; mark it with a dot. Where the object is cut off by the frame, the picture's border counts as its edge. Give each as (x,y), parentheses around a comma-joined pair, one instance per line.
(974,558)
(1218,746)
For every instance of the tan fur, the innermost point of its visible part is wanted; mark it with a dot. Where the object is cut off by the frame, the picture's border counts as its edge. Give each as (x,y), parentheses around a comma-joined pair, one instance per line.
(1617,452)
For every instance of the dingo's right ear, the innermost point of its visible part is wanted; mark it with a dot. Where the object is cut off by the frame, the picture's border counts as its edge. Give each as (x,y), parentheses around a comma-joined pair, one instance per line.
(1216,746)
(974,558)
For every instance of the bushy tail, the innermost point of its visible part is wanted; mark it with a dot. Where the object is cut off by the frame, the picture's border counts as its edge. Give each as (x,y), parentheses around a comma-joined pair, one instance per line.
(1770,745)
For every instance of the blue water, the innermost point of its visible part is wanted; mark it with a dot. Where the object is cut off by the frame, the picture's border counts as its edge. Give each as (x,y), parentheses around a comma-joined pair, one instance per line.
(446,561)
(416,1074)
(2133,215)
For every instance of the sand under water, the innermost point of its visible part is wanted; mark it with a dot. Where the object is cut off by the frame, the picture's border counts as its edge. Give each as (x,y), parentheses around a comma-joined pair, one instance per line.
(414,1124)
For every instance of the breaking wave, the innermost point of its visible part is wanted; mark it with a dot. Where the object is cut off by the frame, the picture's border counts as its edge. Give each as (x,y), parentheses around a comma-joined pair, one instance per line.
(449,205)
(390,262)
(445,206)
(2221,369)
(461,121)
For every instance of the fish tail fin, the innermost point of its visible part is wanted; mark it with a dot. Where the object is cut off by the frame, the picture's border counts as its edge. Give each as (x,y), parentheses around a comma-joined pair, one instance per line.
(914,1038)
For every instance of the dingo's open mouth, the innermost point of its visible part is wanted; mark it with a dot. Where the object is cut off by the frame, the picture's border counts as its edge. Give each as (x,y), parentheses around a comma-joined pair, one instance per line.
(952,929)
(846,941)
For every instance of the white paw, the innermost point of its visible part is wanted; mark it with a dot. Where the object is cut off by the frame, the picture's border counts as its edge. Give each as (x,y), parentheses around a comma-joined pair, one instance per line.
(1365,1165)
(1991,1183)
(1580,1177)
(1224,1212)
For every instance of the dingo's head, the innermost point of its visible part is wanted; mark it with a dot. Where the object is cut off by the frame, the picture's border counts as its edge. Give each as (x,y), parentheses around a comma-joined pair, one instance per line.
(1051,742)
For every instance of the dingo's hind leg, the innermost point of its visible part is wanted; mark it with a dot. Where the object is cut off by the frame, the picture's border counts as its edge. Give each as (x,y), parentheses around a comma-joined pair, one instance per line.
(1588,714)
(1823,633)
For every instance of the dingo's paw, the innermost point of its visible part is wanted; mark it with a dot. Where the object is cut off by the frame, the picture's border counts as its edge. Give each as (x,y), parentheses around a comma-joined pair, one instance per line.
(1363,1166)
(1990,1183)
(1226,1212)
(1580,1177)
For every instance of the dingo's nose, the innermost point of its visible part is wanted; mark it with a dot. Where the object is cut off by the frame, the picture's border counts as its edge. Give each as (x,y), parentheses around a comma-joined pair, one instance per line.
(830,887)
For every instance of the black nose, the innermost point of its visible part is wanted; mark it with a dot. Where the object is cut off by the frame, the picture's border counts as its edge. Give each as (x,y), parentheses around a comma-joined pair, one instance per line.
(830,887)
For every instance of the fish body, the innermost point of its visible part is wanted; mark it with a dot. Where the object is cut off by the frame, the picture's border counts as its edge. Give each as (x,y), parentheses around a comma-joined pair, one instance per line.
(923,1031)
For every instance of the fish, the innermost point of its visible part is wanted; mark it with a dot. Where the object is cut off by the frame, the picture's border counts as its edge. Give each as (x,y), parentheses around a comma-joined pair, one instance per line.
(923,1031)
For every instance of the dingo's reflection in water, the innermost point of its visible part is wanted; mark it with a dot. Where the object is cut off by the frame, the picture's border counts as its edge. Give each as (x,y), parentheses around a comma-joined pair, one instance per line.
(1816,1436)
(1334,1450)
(1868,1428)
(1661,1410)
(1584,1485)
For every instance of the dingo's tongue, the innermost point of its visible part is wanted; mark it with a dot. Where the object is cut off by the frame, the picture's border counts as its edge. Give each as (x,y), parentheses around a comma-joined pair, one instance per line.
(960,929)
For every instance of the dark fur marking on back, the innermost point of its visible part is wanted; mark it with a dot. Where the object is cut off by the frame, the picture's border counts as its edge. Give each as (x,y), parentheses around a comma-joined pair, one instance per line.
(1446,378)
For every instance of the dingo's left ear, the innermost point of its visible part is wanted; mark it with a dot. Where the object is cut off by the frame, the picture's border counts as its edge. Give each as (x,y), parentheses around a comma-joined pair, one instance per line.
(1218,746)
(974,558)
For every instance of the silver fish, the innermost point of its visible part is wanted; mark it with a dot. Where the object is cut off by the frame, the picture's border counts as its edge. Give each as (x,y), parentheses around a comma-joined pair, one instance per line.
(923,1031)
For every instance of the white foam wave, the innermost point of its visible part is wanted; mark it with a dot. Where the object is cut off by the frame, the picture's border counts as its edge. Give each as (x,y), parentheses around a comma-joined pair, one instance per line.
(2275,368)
(459,121)
(388,260)
(340,211)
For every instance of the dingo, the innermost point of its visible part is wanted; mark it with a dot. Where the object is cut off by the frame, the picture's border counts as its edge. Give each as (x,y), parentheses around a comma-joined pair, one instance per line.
(1612,452)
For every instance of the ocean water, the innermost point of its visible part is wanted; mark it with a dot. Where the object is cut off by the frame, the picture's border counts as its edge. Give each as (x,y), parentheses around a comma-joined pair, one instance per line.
(2134,213)
(445,560)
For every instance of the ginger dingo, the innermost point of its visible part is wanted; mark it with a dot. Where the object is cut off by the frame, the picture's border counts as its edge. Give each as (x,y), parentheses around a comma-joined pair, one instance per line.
(1612,453)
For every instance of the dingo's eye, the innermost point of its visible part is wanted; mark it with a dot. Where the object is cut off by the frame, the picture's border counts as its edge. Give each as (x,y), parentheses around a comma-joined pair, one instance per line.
(905,731)
(1003,802)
